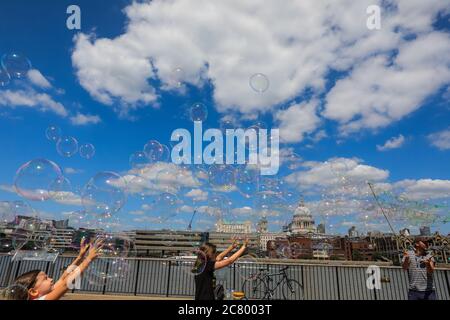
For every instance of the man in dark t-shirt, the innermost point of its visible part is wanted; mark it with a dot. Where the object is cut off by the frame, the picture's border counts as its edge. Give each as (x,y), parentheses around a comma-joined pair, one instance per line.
(207,262)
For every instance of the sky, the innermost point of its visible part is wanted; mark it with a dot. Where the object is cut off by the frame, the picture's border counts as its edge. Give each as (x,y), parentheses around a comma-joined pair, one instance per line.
(353,105)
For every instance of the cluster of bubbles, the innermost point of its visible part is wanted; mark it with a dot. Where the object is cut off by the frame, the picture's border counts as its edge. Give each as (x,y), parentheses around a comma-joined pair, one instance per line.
(153,152)
(115,266)
(68,146)
(28,231)
(102,198)
(13,66)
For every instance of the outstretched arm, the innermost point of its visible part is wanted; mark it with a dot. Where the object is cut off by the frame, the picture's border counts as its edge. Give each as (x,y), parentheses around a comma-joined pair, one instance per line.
(84,247)
(227,251)
(61,286)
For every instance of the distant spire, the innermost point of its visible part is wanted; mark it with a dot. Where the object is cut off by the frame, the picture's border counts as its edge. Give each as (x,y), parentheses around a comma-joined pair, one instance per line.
(302,202)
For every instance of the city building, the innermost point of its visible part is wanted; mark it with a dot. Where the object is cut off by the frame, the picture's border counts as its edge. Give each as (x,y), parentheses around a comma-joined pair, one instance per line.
(302,221)
(226,227)
(263,225)
(62,239)
(265,237)
(167,242)
(425,231)
(352,232)
(222,240)
(321,228)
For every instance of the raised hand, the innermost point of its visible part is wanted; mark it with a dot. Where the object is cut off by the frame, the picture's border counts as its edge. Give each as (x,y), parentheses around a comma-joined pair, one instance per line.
(84,247)
(95,248)
(235,242)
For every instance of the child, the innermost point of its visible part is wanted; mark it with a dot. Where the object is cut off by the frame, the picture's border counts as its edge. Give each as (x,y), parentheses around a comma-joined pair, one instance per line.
(205,281)
(41,287)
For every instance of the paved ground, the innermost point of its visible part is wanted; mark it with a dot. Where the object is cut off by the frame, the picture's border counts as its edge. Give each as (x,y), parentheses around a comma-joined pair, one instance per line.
(89,296)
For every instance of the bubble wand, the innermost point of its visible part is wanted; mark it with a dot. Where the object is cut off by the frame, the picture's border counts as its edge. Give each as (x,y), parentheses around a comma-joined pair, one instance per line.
(379,204)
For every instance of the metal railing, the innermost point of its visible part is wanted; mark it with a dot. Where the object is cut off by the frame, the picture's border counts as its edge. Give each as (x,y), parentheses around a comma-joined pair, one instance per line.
(170,278)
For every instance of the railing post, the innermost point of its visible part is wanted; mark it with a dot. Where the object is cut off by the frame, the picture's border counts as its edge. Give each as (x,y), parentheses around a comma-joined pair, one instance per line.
(106,277)
(448,283)
(17,270)
(137,276)
(234,277)
(168,279)
(337,283)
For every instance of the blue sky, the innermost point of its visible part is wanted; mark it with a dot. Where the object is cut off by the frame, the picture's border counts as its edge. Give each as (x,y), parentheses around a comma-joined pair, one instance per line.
(329,95)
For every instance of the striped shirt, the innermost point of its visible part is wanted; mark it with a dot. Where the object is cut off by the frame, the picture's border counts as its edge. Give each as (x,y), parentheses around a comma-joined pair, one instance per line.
(419,278)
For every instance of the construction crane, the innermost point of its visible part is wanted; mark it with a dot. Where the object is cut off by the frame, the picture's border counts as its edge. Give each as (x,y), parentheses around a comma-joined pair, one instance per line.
(190,222)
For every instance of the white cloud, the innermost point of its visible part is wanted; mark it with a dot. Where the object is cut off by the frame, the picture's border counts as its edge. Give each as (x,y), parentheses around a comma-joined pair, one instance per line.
(7,188)
(36,78)
(329,174)
(295,45)
(243,211)
(297,120)
(84,119)
(393,143)
(424,189)
(378,92)
(66,198)
(197,194)
(158,177)
(31,99)
(70,170)
(441,139)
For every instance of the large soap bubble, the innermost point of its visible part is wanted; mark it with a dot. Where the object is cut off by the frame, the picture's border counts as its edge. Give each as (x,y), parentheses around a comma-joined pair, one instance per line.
(67,146)
(104,193)
(16,64)
(116,247)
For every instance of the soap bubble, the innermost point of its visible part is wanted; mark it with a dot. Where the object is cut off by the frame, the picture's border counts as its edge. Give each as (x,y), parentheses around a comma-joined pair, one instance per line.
(104,193)
(33,179)
(29,234)
(5,79)
(222,177)
(268,203)
(16,64)
(53,133)
(198,112)
(14,292)
(247,181)
(6,212)
(177,77)
(259,82)
(199,265)
(87,151)
(61,189)
(67,146)
(138,160)
(166,206)
(226,124)
(219,205)
(116,247)
(154,151)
